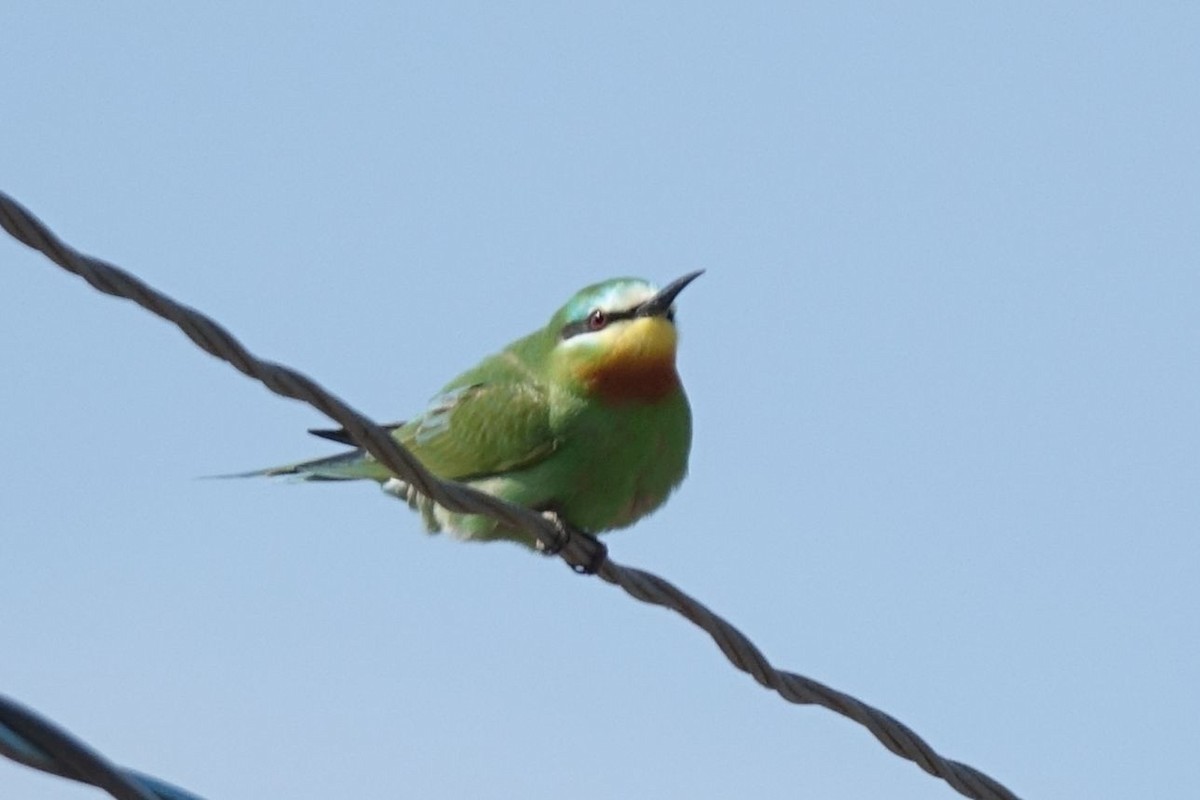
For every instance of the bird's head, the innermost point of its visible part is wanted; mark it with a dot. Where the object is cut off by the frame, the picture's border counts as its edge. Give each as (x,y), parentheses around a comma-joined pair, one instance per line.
(616,340)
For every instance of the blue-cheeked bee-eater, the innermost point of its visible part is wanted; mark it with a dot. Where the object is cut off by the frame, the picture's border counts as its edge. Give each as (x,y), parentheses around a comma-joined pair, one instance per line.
(585,419)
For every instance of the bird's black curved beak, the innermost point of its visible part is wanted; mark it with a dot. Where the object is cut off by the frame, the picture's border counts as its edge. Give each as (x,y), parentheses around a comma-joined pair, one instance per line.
(660,304)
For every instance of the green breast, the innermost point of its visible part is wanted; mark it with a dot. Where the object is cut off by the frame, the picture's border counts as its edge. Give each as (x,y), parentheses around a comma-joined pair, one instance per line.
(617,463)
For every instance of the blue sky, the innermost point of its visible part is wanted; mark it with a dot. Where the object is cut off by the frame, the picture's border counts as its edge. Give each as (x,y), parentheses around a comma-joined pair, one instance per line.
(943,367)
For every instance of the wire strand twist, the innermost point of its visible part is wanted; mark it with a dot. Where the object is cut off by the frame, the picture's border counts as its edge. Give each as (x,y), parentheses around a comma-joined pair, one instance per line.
(30,739)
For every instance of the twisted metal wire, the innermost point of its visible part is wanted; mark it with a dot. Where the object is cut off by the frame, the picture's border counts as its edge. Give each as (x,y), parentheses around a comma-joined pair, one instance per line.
(32,740)
(582,553)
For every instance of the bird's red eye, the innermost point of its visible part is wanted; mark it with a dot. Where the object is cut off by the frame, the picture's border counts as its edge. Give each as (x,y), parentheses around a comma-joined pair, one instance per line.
(597,319)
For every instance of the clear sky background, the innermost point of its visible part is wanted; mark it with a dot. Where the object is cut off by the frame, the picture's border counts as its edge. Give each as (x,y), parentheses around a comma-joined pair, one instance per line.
(943,368)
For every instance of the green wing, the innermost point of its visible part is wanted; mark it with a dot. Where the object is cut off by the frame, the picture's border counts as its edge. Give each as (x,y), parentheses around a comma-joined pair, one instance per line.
(492,419)
(482,428)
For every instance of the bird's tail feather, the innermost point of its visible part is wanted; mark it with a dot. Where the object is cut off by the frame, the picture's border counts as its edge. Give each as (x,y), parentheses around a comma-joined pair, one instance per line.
(349,466)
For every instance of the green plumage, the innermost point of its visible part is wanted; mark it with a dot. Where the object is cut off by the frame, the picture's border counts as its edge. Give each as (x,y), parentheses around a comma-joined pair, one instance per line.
(529,425)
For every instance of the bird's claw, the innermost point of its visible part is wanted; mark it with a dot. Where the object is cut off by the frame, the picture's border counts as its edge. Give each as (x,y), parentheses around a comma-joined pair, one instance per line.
(562,535)
(597,553)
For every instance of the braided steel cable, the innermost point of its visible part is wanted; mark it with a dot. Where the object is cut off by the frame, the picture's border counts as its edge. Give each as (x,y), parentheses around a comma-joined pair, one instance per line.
(582,553)
(30,739)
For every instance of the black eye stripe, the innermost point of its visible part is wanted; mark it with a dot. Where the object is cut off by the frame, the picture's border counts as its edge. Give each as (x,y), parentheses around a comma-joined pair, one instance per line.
(584,326)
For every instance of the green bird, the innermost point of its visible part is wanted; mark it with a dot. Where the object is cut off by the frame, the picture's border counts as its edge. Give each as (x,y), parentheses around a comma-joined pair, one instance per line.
(585,419)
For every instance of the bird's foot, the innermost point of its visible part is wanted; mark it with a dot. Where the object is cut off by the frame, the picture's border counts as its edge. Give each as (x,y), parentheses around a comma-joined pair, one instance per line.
(562,534)
(585,558)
